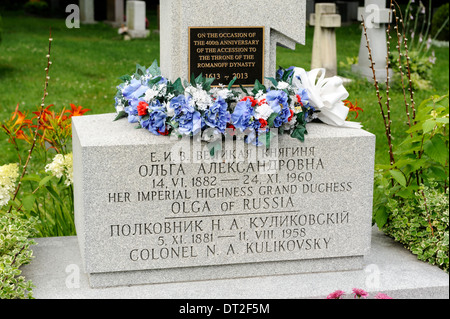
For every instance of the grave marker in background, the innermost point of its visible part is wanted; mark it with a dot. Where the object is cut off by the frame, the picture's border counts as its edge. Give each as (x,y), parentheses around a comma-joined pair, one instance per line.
(376,17)
(136,15)
(325,20)
(87,11)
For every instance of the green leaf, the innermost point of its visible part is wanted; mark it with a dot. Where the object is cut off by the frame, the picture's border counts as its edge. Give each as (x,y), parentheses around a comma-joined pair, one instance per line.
(398,176)
(120,115)
(428,125)
(243,89)
(207,84)
(381,216)
(230,85)
(125,78)
(275,82)
(199,79)
(154,80)
(154,68)
(45,180)
(178,87)
(28,202)
(271,119)
(300,132)
(52,191)
(436,149)
(32,177)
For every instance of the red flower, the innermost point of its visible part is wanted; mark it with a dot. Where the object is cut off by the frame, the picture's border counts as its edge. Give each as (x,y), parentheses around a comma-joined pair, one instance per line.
(163,133)
(263,123)
(299,99)
(261,102)
(142,108)
(292,115)
(254,102)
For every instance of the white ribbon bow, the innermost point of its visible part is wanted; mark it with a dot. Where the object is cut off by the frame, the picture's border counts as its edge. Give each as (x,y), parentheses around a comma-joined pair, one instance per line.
(325,95)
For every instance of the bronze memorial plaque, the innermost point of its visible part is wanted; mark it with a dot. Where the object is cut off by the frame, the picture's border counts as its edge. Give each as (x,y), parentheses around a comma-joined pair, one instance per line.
(227,52)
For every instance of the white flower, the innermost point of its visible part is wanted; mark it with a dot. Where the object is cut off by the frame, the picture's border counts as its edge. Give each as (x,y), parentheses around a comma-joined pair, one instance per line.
(155,92)
(264,111)
(120,107)
(260,95)
(282,85)
(150,95)
(200,97)
(223,93)
(62,166)
(8,176)
(169,111)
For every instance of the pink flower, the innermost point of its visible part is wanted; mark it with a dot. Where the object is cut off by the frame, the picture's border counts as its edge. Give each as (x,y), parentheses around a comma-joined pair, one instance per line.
(360,293)
(336,295)
(382,296)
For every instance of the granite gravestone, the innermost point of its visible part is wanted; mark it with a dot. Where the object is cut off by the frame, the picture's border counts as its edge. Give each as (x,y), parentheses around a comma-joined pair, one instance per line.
(153,209)
(246,32)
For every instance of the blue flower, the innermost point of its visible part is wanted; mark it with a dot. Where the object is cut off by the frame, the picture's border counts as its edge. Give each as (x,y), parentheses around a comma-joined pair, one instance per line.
(134,90)
(277,99)
(217,116)
(189,120)
(242,117)
(156,122)
(283,117)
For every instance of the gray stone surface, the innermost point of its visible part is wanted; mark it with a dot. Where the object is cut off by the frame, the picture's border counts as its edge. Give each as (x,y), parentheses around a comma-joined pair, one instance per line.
(57,273)
(139,209)
(284,23)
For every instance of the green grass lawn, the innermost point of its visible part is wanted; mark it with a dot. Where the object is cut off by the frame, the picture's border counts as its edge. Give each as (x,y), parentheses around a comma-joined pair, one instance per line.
(88,61)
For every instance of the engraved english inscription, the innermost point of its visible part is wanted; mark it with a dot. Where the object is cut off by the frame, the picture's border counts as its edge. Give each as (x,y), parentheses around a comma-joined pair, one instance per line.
(232,210)
(224,53)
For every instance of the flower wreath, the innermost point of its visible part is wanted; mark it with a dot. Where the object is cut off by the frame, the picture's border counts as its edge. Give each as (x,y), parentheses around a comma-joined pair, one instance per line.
(295,98)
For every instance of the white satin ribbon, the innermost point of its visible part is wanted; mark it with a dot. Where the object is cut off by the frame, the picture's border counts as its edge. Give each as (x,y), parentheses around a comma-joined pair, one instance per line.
(326,95)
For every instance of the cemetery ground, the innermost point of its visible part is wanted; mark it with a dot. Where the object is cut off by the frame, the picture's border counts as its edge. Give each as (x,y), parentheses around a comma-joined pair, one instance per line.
(87,63)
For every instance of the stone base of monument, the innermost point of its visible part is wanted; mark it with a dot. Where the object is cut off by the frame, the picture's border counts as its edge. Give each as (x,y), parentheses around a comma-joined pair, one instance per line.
(154,209)
(57,273)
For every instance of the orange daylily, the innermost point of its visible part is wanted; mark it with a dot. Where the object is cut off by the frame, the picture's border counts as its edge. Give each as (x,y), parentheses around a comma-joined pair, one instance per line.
(14,127)
(76,111)
(353,107)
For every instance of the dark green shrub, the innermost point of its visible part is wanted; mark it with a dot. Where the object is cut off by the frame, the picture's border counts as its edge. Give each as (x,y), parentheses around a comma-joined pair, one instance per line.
(439,18)
(38,8)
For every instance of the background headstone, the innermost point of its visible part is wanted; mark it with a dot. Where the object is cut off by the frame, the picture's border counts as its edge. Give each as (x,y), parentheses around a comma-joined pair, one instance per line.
(87,11)
(136,16)
(325,20)
(283,22)
(376,17)
(115,13)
